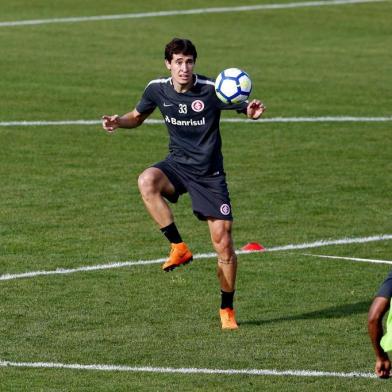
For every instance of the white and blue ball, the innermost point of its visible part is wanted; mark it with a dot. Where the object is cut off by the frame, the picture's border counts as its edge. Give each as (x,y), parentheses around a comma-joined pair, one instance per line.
(233,85)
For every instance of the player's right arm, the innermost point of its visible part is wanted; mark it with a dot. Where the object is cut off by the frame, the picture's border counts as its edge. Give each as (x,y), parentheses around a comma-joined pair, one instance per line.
(129,120)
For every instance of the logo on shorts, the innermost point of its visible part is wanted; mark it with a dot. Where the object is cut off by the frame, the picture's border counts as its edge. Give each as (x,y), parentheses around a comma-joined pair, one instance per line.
(225,209)
(197,105)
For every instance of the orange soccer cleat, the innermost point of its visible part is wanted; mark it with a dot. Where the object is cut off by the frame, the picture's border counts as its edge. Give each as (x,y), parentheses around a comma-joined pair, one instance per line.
(227,317)
(179,254)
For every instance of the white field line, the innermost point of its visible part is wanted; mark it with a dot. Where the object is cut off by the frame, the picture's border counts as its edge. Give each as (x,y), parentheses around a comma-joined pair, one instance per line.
(63,271)
(375,261)
(215,10)
(150,369)
(311,119)
(223,120)
(343,241)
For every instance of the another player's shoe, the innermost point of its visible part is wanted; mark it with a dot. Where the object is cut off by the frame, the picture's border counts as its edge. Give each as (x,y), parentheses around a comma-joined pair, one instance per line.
(227,317)
(179,254)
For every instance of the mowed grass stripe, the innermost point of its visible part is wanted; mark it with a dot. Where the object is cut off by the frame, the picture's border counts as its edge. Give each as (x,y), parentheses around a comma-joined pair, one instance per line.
(184,12)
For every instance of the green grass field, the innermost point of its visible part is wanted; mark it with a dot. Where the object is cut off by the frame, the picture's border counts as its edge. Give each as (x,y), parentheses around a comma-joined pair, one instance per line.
(69,199)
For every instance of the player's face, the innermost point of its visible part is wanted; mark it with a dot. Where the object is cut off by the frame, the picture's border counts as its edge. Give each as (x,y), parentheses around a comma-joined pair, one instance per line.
(181,68)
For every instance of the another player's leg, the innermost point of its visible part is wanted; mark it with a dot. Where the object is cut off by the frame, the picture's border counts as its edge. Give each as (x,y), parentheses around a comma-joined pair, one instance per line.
(153,186)
(227,269)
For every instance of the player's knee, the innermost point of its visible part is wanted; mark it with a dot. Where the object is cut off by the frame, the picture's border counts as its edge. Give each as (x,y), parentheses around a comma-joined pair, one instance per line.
(224,245)
(147,183)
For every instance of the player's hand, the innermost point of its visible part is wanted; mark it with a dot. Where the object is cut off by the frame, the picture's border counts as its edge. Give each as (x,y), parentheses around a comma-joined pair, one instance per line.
(110,123)
(383,367)
(255,109)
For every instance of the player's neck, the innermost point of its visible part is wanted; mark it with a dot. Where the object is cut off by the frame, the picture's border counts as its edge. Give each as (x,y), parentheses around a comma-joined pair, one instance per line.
(182,88)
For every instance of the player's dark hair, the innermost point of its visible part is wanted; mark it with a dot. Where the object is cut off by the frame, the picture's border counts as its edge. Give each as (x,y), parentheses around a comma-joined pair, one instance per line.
(180,46)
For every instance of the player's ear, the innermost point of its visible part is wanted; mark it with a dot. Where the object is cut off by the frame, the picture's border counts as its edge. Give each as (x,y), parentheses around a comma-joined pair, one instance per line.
(168,66)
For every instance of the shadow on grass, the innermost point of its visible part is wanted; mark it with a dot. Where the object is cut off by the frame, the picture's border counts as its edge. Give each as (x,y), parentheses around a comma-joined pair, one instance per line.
(332,312)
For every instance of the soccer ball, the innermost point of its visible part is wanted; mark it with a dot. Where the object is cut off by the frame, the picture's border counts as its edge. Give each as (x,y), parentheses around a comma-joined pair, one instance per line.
(233,86)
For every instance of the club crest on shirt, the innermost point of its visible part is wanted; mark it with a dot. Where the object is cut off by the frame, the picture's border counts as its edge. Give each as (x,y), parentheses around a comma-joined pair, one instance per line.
(197,106)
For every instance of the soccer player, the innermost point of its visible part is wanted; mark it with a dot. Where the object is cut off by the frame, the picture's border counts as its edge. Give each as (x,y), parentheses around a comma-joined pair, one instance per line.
(191,111)
(377,311)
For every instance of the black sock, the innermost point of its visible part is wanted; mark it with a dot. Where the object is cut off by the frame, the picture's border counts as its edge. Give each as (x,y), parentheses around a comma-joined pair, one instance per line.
(172,233)
(227,299)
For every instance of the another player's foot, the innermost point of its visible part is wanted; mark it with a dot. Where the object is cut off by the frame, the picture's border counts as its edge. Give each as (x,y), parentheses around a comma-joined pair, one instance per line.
(227,317)
(179,254)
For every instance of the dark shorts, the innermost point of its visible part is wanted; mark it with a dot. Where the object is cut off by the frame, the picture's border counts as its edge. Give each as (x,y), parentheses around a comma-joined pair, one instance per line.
(209,194)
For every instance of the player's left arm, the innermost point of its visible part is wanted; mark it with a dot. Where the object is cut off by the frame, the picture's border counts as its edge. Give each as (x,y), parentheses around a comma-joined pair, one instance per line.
(376,313)
(255,109)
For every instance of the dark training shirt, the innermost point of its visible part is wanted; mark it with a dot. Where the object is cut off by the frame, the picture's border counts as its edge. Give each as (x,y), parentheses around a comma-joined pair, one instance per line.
(192,119)
(386,288)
